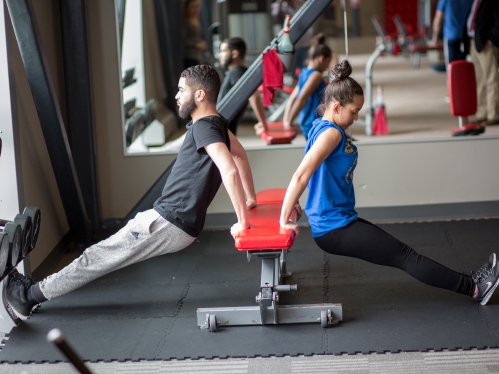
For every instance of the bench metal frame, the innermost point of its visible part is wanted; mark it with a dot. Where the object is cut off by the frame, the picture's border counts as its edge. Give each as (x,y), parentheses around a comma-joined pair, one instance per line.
(268,311)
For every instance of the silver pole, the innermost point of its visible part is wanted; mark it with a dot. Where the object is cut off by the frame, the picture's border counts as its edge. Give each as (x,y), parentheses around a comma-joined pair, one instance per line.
(369,87)
(345,26)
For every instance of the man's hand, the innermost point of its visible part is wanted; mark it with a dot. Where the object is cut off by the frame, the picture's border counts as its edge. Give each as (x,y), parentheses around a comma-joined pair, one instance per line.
(259,128)
(236,227)
(292,226)
(432,42)
(250,204)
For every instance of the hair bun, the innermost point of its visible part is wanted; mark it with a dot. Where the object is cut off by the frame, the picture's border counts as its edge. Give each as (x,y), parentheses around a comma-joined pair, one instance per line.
(340,71)
(318,39)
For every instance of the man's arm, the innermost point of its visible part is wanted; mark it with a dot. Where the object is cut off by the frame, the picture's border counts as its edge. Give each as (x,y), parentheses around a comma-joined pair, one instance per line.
(257,105)
(241,160)
(437,26)
(221,156)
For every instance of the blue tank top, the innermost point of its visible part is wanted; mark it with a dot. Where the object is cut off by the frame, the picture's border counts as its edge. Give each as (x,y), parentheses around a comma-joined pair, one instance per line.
(309,112)
(331,199)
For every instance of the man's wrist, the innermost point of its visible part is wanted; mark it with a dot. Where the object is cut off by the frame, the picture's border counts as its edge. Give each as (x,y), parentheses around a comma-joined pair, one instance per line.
(245,224)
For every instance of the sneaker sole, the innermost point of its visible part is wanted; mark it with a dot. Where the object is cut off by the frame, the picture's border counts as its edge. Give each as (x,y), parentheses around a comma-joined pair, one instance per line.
(486,298)
(12,314)
(22,317)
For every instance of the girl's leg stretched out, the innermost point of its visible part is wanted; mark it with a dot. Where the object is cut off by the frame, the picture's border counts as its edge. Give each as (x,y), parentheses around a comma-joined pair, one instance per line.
(363,240)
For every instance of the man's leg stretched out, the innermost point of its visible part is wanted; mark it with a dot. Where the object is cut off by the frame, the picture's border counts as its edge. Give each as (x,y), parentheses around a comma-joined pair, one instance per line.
(147,235)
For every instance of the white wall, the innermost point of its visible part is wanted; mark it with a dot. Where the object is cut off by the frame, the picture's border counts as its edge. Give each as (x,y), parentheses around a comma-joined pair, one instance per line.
(453,170)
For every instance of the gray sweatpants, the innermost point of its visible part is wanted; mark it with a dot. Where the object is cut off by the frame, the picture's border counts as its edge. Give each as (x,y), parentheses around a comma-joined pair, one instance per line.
(145,236)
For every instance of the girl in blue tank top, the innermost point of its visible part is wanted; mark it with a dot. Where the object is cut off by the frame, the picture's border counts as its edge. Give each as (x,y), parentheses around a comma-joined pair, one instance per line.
(328,169)
(334,207)
(307,95)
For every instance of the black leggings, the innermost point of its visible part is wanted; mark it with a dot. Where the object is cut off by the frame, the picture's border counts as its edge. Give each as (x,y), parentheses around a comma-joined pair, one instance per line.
(364,240)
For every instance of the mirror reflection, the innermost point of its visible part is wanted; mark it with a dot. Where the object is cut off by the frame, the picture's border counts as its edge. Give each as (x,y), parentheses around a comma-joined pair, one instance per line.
(232,37)
(395,57)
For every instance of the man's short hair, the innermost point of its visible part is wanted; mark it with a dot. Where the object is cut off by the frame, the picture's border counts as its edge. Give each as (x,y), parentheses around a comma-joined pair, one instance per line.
(236,44)
(203,77)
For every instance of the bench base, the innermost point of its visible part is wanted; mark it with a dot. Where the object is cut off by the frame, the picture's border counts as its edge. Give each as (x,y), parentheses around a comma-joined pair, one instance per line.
(327,314)
(268,311)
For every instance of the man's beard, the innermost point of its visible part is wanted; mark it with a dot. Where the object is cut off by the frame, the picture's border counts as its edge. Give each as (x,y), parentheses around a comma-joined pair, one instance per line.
(227,62)
(187,108)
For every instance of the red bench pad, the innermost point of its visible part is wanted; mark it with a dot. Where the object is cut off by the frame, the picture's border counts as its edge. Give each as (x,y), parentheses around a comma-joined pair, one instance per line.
(273,126)
(271,196)
(462,88)
(265,232)
(278,136)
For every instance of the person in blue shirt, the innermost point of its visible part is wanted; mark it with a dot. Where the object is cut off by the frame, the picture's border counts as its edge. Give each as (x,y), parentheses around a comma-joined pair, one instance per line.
(327,169)
(307,95)
(453,15)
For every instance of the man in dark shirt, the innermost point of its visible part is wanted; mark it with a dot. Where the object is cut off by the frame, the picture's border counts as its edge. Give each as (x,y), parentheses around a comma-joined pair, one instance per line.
(210,155)
(231,57)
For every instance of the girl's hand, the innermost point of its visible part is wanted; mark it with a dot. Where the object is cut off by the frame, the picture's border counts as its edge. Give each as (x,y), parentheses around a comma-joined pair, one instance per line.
(292,226)
(299,211)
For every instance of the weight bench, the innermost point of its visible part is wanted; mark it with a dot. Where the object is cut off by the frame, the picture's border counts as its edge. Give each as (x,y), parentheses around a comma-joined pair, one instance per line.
(276,134)
(463,97)
(268,241)
(415,43)
(389,41)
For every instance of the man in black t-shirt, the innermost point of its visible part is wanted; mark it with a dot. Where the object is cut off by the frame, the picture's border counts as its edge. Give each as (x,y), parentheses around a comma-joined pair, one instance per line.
(210,155)
(231,57)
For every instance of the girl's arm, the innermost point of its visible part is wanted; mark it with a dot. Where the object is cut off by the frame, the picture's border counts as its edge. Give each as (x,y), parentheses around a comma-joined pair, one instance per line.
(287,124)
(321,149)
(312,83)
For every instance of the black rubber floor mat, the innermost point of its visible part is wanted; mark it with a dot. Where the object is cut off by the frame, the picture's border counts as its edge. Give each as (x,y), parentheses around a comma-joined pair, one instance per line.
(186,340)
(143,300)
(148,310)
(409,330)
(219,294)
(108,339)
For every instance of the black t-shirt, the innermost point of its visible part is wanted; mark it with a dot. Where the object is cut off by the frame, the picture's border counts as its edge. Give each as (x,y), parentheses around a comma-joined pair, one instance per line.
(194,179)
(231,77)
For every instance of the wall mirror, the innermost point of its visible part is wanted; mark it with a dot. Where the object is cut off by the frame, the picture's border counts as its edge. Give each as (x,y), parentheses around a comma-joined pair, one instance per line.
(149,29)
(151,63)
